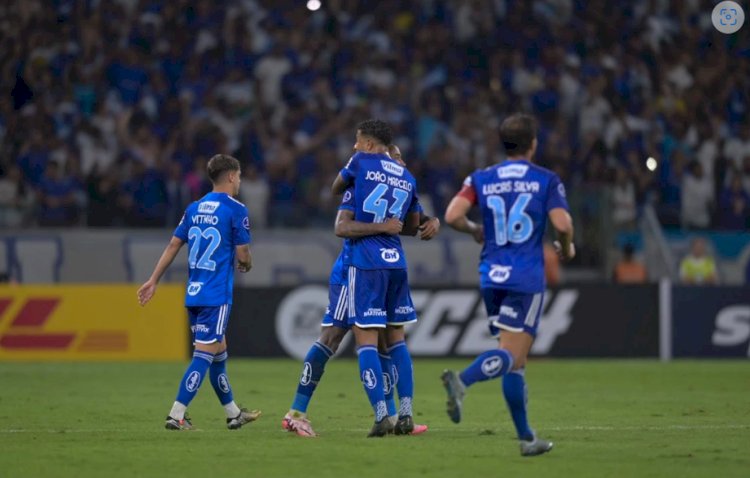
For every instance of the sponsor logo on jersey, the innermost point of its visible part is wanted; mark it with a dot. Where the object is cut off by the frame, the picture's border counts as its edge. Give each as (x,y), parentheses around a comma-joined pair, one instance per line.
(208,207)
(371,312)
(499,274)
(392,168)
(194,288)
(389,255)
(369,379)
(306,376)
(491,366)
(246,223)
(193,381)
(223,383)
(508,311)
(347,197)
(512,171)
(561,189)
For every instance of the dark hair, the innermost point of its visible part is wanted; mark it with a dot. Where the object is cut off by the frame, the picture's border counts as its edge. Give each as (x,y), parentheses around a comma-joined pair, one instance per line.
(517,132)
(377,129)
(220,164)
(628,249)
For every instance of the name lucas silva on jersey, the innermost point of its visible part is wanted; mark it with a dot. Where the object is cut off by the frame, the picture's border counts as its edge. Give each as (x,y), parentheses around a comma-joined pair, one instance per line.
(510,186)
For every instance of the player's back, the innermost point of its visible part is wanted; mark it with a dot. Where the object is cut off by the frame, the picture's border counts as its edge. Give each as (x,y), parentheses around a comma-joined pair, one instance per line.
(382,189)
(515,198)
(212,227)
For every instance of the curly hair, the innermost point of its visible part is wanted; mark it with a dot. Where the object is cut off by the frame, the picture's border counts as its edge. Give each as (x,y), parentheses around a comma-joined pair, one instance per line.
(377,129)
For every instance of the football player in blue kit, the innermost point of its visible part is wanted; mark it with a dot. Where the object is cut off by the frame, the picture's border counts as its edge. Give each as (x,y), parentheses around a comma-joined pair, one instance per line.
(217,231)
(378,289)
(335,326)
(515,198)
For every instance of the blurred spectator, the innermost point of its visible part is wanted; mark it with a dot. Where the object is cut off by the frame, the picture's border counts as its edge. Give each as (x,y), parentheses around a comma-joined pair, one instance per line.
(178,194)
(697,198)
(628,269)
(734,206)
(15,200)
(623,200)
(698,267)
(254,194)
(57,198)
(747,272)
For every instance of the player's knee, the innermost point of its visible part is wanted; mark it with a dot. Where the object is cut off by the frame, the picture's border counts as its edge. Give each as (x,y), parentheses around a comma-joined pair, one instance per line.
(519,361)
(332,337)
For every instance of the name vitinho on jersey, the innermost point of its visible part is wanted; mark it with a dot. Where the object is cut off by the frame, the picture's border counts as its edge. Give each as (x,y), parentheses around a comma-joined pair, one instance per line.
(381,177)
(510,186)
(392,168)
(512,171)
(205,219)
(208,207)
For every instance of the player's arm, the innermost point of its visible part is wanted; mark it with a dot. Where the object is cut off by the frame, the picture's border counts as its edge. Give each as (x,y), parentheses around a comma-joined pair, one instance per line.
(339,185)
(428,226)
(147,290)
(563,224)
(348,228)
(456,217)
(244,258)
(411,225)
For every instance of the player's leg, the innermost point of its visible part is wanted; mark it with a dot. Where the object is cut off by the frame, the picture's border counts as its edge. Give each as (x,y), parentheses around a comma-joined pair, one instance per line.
(490,364)
(206,347)
(236,416)
(389,377)
(367,315)
(334,328)
(401,312)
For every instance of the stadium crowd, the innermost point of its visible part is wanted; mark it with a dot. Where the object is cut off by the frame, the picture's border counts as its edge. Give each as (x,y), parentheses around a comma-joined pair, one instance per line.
(116,105)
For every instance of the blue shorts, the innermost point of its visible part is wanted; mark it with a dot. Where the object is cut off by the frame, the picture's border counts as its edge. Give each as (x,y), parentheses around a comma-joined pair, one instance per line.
(209,324)
(379,297)
(513,311)
(337,310)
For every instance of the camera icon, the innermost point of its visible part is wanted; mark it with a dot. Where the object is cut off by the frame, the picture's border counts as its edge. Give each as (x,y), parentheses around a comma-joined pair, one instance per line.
(728,17)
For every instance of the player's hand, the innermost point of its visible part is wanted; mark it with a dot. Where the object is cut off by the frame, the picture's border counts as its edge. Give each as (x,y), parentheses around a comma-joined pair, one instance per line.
(478,234)
(146,292)
(429,229)
(564,255)
(392,226)
(243,267)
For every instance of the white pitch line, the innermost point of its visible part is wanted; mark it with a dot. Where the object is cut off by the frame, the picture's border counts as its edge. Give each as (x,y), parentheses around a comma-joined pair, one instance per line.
(435,429)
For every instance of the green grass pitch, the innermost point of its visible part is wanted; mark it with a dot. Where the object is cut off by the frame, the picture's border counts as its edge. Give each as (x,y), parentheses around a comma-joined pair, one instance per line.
(607,419)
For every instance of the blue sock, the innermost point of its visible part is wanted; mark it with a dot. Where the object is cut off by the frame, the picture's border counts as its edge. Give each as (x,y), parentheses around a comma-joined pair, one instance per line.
(516,396)
(217,372)
(372,376)
(405,382)
(312,371)
(491,364)
(389,383)
(193,377)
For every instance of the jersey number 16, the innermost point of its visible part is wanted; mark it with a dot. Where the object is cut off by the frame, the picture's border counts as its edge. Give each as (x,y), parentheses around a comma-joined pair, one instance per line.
(517,226)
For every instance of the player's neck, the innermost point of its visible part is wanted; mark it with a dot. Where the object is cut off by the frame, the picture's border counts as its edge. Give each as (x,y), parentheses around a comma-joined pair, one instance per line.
(377,150)
(519,158)
(223,189)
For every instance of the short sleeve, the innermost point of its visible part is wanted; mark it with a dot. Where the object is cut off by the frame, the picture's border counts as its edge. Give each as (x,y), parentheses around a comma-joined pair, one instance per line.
(349,172)
(181,232)
(556,197)
(240,227)
(347,201)
(415,205)
(468,191)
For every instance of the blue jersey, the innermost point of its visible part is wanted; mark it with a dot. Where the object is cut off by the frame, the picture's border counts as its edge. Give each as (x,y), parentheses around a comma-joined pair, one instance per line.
(382,189)
(212,227)
(514,198)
